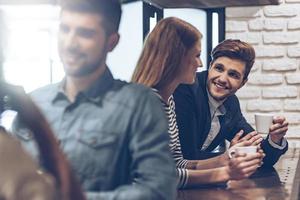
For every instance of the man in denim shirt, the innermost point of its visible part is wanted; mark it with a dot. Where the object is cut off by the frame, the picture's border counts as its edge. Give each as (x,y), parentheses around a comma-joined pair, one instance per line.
(113,133)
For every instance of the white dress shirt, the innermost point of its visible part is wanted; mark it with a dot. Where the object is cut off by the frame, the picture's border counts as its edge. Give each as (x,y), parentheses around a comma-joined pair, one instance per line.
(216,109)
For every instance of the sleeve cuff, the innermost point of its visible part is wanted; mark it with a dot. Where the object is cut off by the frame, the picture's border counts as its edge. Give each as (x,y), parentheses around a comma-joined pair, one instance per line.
(273,144)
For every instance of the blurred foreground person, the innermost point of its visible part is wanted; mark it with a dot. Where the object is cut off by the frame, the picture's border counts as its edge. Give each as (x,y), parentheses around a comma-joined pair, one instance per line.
(113,133)
(21,176)
(163,65)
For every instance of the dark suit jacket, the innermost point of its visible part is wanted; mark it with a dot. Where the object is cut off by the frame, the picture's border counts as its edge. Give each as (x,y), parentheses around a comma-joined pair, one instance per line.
(194,121)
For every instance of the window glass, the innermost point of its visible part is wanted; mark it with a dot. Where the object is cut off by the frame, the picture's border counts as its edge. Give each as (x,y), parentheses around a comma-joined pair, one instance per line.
(122,60)
(29,47)
(197,18)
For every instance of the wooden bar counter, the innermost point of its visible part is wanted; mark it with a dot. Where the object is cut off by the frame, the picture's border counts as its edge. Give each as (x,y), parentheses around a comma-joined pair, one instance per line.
(279,183)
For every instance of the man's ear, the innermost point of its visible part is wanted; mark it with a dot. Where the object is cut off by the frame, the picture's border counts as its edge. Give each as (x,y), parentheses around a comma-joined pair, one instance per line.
(244,82)
(113,40)
(211,64)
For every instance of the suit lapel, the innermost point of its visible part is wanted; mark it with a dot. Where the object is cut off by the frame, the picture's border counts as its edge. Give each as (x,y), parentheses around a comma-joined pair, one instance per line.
(204,119)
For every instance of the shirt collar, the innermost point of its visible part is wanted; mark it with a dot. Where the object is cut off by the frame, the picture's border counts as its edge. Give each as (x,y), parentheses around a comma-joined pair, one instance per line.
(170,99)
(94,92)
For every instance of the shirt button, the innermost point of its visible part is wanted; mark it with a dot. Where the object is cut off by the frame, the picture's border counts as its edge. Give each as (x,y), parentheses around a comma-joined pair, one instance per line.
(93,141)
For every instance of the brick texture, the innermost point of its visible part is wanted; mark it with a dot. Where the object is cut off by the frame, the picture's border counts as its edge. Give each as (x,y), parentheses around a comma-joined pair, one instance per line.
(293,78)
(256,25)
(236,26)
(249,93)
(274,82)
(280,92)
(294,24)
(292,1)
(257,65)
(280,11)
(293,118)
(294,52)
(280,65)
(281,37)
(292,105)
(249,12)
(269,51)
(252,38)
(265,79)
(293,135)
(264,105)
(275,24)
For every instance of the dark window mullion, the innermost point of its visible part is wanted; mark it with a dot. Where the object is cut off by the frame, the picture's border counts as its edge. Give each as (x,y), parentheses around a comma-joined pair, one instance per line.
(149,12)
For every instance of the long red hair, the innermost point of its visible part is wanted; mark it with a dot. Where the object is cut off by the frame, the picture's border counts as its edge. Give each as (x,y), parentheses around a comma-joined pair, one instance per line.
(163,52)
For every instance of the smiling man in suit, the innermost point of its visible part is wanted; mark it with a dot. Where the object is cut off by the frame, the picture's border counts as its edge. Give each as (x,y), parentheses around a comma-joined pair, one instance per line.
(208,112)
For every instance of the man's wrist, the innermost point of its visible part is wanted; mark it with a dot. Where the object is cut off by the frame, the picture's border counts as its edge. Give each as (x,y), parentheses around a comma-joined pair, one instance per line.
(276,140)
(282,144)
(224,159)
(224,173)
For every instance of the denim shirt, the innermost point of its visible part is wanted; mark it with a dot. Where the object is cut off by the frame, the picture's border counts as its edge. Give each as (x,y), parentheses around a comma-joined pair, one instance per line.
(115,137)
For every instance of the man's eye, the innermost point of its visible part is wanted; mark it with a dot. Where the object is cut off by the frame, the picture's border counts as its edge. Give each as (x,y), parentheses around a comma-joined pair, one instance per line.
(234,75)
(86,33)
(218,68)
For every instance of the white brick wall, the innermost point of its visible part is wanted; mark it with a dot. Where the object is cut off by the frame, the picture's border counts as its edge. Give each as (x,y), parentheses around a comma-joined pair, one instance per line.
(239,12)
(270,51)
(257,65)
(275,24)
(236,26)
(294,51)
(280,65)
(280,11)
(294,24)
(281,37)
(259,79)
(252,38)
(292,79)
(264,105)
(280,92)
(249,93)
(292,105)
(274,81)
(292,1)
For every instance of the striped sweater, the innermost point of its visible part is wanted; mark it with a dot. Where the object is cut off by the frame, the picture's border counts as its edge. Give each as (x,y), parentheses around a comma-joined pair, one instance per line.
(174,144)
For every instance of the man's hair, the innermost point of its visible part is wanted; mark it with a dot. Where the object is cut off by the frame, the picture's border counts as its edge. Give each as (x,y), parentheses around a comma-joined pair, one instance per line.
(235,49)
(163,52)
(110,10)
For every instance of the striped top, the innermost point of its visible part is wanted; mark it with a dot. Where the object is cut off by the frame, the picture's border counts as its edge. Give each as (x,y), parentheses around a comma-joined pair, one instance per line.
(174,144)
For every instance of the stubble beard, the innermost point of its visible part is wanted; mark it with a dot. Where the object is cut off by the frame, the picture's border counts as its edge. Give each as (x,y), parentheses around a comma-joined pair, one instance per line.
(86,69)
